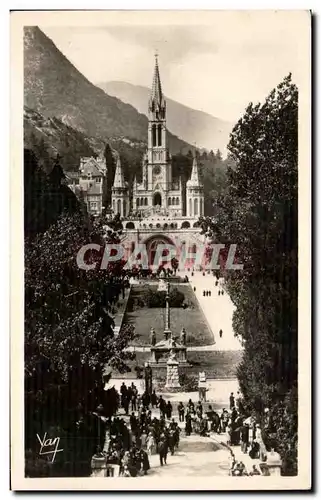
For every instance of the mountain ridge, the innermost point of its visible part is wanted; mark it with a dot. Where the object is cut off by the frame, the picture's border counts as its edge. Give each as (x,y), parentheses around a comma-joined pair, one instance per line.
(190,124)
(54,87)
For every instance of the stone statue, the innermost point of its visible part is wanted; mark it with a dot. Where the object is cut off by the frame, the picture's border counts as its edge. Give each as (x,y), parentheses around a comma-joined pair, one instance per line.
(183,336)
(152,337)
(172,355)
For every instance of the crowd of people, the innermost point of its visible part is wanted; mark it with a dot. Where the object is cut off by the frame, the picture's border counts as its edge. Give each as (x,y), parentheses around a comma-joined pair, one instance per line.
(135,436)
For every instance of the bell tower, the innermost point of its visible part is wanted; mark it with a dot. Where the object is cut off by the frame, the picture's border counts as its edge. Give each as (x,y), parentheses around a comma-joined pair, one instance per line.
(159,168)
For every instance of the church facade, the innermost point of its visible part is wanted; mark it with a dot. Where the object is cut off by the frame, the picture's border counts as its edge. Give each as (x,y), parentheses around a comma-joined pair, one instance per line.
(158,193)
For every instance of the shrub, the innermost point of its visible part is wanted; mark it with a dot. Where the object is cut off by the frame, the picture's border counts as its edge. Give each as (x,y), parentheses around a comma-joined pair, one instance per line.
(153,298)
(189,383)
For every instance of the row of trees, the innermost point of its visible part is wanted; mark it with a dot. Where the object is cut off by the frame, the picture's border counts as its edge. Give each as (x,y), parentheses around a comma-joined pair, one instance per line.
(259,212)
(68,326)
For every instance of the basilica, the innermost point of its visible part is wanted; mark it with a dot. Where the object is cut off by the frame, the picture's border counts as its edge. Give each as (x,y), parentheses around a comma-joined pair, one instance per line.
(158,193)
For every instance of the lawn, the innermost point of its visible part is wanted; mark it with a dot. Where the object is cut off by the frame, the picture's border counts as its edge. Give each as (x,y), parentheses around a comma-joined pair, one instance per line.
(216,364)
(191,318)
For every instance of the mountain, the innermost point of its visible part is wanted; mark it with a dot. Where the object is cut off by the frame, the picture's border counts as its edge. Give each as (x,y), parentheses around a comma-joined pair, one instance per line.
(48,137)
(189,124)
(55,88)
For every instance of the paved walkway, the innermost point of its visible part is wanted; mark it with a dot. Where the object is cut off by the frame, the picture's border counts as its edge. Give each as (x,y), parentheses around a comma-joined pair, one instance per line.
(218,311)
(196,456)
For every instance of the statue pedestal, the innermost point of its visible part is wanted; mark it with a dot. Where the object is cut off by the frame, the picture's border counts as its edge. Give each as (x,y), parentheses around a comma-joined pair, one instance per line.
(273,464)
(98,466)
(172,375)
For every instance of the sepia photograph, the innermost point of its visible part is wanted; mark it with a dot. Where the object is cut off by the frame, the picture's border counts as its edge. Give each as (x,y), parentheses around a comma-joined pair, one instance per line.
(160,306)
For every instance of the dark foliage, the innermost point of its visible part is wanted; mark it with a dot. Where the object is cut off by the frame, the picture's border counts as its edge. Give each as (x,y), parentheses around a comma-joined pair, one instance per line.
(259,213)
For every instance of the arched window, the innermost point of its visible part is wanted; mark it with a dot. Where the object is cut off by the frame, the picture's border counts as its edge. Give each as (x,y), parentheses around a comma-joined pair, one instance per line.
(137,202)
(114,205)
(196,206)
(130,225)
(177,201)
(145,201)
(201,207)
(186,225)
(141,202)
(169,201)
(154,135)
(196,224)
(119,206)
(190,207)
(159,135)
(124,208)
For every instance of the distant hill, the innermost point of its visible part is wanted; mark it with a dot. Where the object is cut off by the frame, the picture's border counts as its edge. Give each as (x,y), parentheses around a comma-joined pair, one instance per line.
(55,88)
(57,138)
(187,123)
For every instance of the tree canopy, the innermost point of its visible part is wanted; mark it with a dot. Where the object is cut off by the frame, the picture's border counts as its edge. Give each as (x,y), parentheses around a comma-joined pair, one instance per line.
(68,323)
(258,212)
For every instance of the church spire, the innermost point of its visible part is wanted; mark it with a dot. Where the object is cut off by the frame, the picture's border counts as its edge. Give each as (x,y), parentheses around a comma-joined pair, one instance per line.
(195,176)
(157,95)
(119,181)
(157,104)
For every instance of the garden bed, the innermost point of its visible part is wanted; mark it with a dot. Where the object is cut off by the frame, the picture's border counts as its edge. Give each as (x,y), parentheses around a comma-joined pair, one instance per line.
(145,318)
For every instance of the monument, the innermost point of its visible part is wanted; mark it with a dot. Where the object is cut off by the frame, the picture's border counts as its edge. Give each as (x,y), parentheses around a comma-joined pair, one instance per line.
(202,386)
(161,350)
(172,374)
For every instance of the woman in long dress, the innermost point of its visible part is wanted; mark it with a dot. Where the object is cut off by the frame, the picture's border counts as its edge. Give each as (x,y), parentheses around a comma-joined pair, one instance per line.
(151,444)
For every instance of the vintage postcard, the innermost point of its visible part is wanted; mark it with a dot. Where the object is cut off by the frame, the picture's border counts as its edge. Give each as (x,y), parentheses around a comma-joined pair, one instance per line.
(160,250)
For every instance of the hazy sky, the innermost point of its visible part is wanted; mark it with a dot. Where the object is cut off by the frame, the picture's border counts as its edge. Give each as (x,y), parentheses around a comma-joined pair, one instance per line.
(218,67)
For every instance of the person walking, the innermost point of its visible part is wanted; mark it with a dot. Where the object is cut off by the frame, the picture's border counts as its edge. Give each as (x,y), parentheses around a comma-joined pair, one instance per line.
(150,444)
(162,449)
(153,399)
(134,394)
(181,411)
(162,406)
(232,401)
(169,410)
(188,423)
(220,333)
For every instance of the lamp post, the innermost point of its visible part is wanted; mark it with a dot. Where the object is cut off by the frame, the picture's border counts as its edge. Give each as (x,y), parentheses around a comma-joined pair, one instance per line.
(167,330)
(99,412)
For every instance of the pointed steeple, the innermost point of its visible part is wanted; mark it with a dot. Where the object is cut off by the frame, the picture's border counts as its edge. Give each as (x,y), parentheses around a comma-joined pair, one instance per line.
(119,181)
(157,94)
(195,176)
(157,101)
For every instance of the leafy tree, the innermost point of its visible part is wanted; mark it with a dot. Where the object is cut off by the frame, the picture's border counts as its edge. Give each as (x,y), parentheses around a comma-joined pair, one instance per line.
(219,156)
(153,298)
(258,212)
(68,326)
